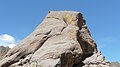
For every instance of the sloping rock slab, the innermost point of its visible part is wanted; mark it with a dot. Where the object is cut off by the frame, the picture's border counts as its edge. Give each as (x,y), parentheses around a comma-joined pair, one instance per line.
(62,39)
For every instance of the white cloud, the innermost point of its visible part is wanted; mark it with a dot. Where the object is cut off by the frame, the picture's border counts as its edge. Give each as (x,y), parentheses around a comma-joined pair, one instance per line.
(7,40)
(11,45)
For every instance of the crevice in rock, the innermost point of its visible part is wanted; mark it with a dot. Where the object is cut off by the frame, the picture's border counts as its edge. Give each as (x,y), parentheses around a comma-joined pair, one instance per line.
(63,29)
(66,60)
(43,33)
(55,18)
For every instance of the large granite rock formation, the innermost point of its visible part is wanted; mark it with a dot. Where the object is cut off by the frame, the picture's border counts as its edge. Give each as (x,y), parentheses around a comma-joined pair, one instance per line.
(61,40)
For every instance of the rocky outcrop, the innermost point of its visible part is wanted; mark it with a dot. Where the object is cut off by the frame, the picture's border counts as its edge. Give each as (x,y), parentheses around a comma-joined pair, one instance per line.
(114,64)
(3,51)
(61,40)
(96,60)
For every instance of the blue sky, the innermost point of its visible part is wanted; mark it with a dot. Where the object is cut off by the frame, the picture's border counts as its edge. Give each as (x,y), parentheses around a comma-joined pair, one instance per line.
(18,18)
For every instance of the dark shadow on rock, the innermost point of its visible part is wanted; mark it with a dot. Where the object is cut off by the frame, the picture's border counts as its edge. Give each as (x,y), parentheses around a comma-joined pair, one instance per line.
(79,65)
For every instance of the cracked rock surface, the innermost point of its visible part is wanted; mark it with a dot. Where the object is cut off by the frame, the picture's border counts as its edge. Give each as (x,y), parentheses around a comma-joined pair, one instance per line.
(61,40)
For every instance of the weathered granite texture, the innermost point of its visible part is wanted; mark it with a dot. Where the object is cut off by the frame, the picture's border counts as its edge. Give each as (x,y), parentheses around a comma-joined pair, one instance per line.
(61,40)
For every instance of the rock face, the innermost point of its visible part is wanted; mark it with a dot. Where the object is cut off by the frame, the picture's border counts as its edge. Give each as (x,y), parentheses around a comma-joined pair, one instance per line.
(114,64)
(3,51)
(96,60)
(61,40)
